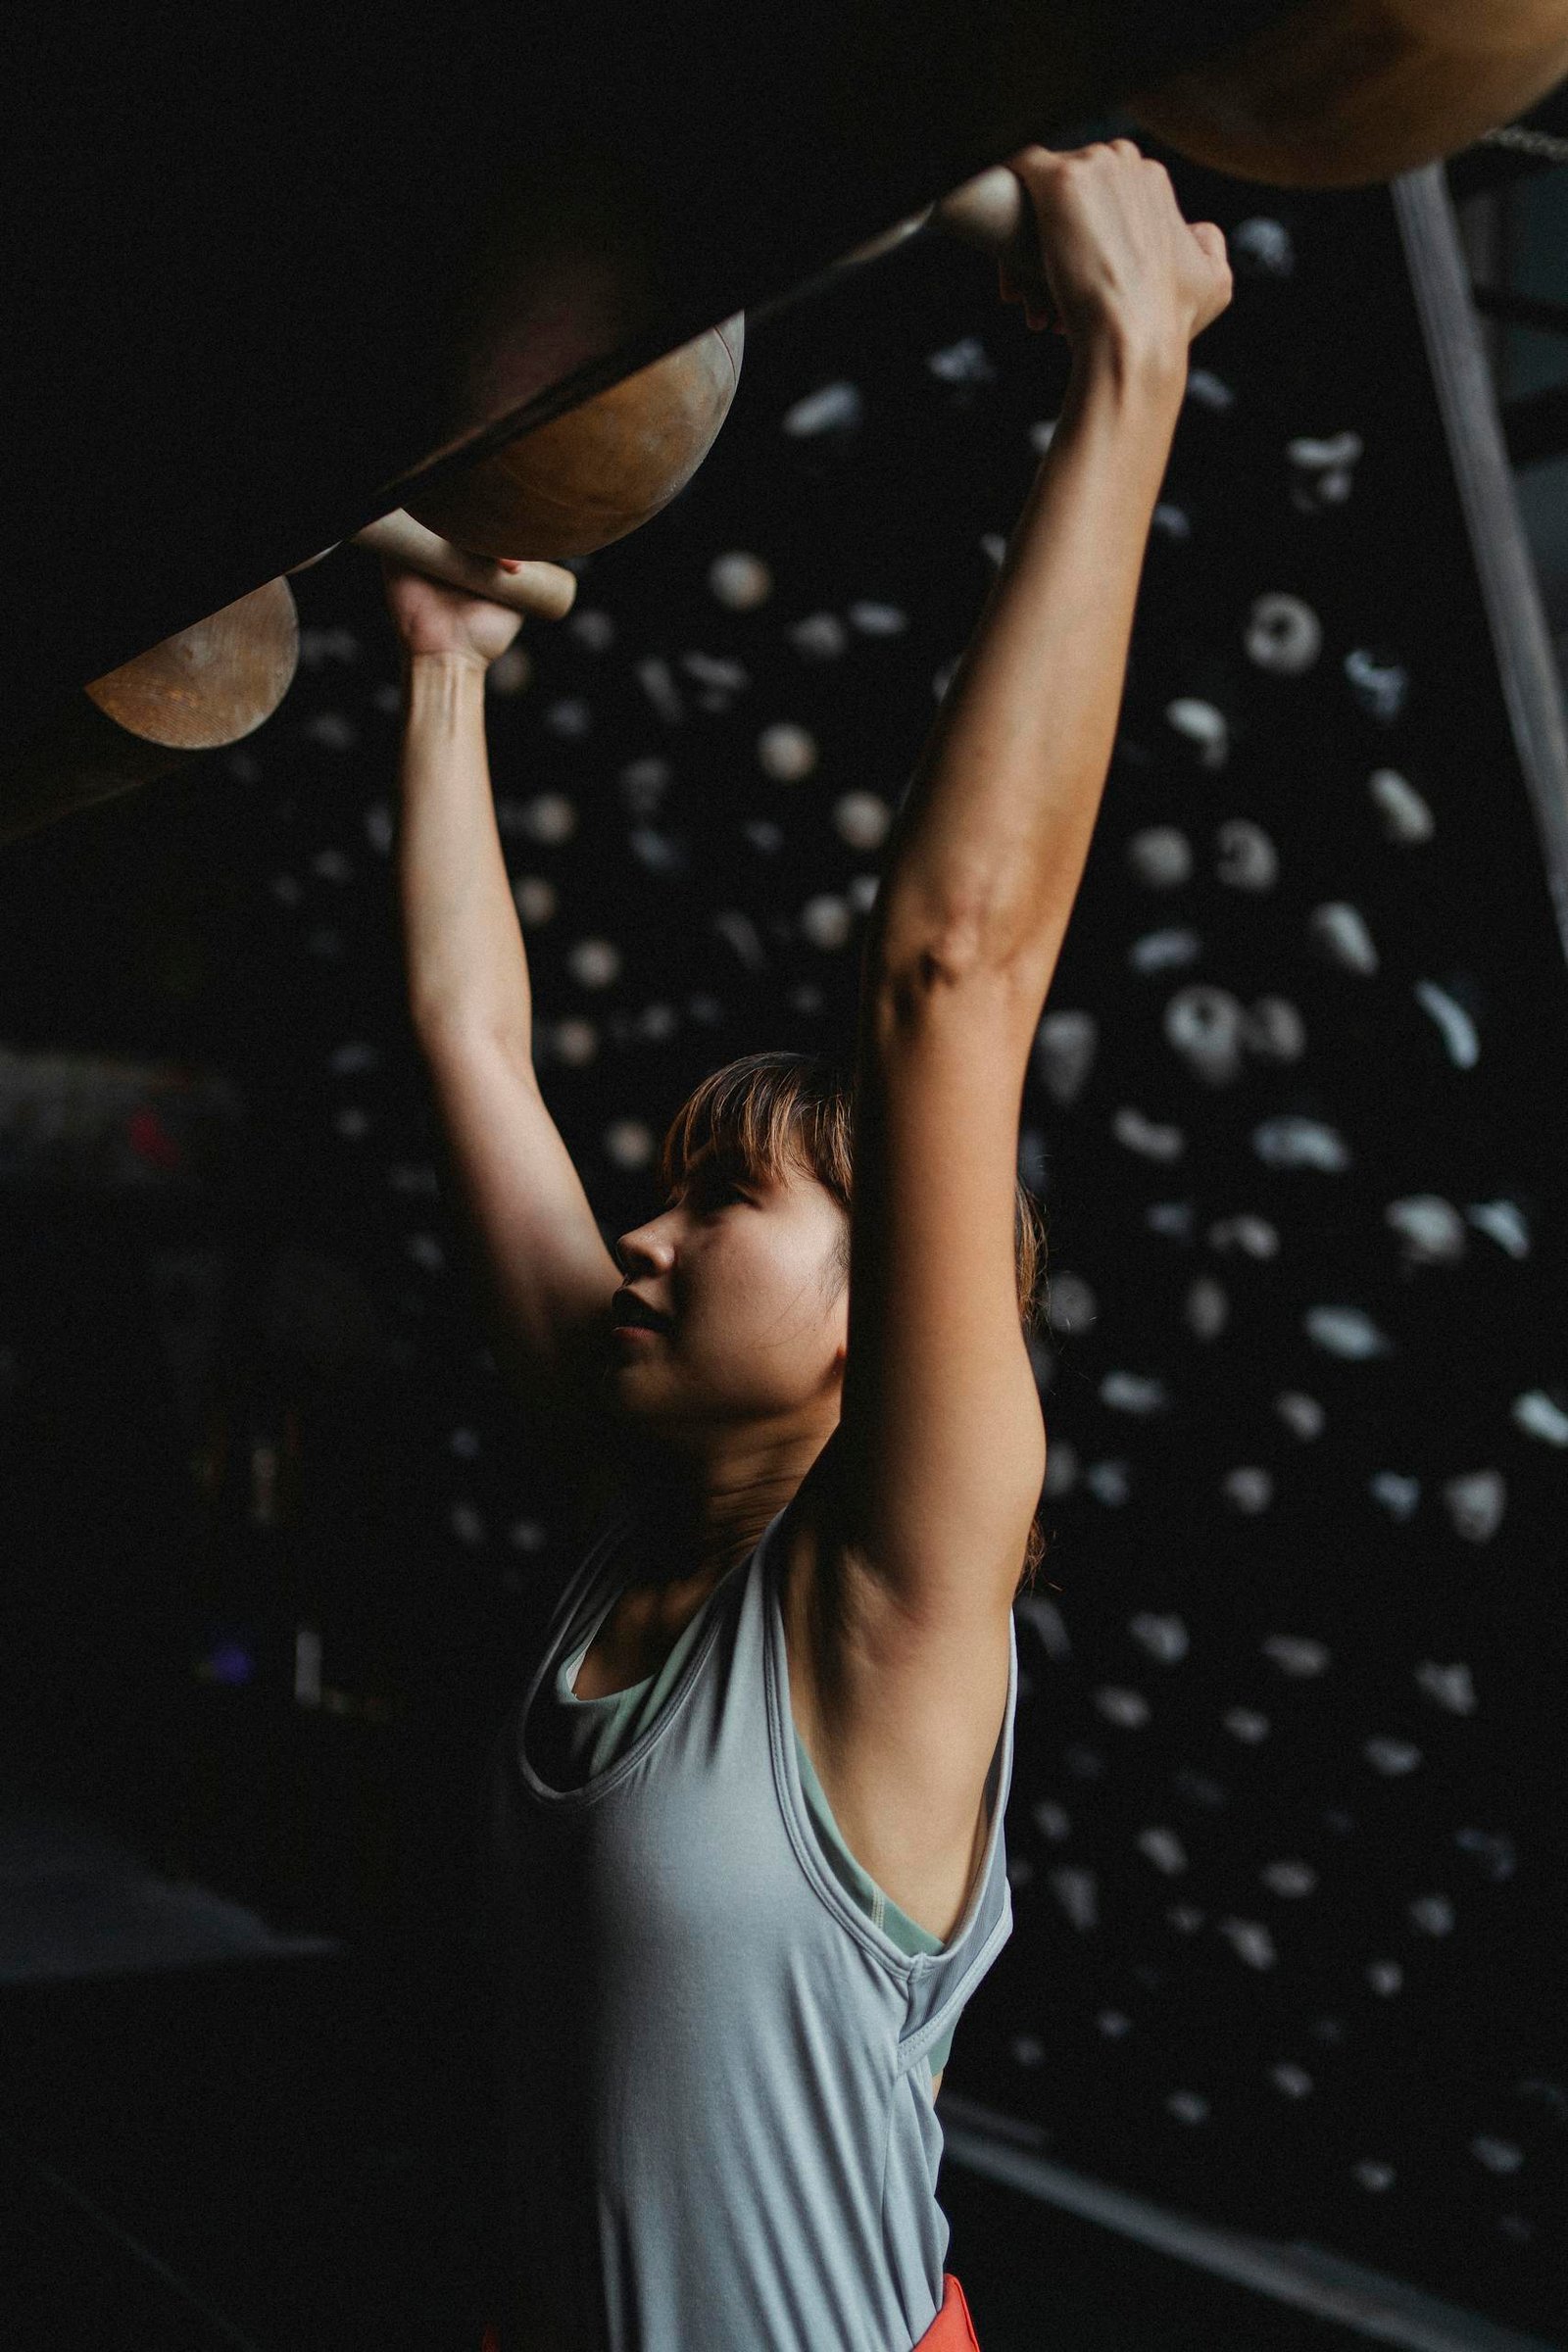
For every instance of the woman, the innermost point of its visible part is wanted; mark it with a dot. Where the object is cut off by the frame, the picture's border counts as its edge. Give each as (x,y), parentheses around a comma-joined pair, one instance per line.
(747,1819)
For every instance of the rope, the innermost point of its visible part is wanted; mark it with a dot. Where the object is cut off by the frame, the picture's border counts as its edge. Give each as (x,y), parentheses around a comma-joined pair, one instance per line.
(1524,141)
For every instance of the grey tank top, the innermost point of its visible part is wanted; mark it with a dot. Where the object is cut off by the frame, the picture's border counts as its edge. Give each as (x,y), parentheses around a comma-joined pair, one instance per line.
(594,1732)
(721,2136)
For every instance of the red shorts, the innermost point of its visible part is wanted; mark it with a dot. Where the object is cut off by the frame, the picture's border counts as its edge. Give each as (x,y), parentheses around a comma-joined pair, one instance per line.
(951,2330)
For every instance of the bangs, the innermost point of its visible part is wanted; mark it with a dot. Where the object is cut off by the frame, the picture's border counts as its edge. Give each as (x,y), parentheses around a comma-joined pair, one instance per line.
(763,1116)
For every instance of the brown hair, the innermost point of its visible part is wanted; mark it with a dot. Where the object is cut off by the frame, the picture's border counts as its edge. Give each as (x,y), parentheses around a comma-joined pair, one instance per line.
(772,1110)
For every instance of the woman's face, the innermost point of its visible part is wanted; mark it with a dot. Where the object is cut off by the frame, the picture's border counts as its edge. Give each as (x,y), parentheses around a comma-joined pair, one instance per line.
(742,1268)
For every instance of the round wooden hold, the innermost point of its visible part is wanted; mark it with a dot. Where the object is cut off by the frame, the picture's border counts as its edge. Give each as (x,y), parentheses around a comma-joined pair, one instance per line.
(207,686)
(213,683)
(592,475)
(1343,94)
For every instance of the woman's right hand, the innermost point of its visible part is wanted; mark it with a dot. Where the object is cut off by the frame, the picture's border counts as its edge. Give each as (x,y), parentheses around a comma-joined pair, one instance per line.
(443,600)
(431,618)
(1121,262)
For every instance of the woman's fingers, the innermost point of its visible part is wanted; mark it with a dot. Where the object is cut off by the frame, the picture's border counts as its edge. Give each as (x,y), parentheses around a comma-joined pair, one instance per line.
(545,590)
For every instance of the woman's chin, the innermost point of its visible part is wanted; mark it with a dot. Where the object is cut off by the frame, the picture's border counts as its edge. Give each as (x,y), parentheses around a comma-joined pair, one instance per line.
(627,1386)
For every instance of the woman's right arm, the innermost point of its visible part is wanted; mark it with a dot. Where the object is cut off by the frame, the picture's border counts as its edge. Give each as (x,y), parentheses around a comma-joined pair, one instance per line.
(546,1274)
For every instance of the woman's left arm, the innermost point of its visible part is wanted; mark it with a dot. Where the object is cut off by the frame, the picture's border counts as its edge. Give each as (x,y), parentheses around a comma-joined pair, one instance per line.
(940,1448)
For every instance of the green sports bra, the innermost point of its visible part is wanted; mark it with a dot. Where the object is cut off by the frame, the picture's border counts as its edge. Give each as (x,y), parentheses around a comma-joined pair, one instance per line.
(598,1729)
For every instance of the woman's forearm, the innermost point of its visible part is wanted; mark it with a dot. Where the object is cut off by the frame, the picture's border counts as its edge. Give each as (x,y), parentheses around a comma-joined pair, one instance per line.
(988,847)
(466,965)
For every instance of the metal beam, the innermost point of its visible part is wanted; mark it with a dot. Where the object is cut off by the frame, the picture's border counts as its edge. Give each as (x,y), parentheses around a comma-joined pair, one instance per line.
(1532,685)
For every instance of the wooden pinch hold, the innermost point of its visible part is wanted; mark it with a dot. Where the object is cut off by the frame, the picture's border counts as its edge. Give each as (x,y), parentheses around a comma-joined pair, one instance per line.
(546,591)
(206,686)
(990,212)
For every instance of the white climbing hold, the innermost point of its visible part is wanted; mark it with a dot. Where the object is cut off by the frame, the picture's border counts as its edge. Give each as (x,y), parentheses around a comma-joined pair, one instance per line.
(826,920)
(1109,1483)
(1248,859)
(1301,1415)
(1209,390)
(1283,634)
(1261,247)
(1134,1393)
(1346,1331)
(1431,1229)
(833,407)
(1207,1308)
(1254,1236)
(1459,1030)
(740,580)
(1475,1505)
(1079,1896)
(1205,727)
(1397,1494)
(1164,1849)
(1147,1137)
(1249,1488)
(1070,1303)
(1322,471)
(1405,813)
(1046,1620)
(1246,1724)
(1275,1030)
(1250,1941)
(861,818)
(1205,1026)
(1298,1654)
(1378,682)
(1164,1638)
(786,752)
(1063,1054)
(1164,951)
(819,636)
(1391,1757)
(1503,1222)
(1291,1879)
(1537,1414)
(1291,1142)
(1160,857)
(593,962)
(875,619)
(1452,1686)
(1341,934)
(629,1143)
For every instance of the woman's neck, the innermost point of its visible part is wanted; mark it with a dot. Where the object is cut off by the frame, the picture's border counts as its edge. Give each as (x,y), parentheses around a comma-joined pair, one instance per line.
(700,1524)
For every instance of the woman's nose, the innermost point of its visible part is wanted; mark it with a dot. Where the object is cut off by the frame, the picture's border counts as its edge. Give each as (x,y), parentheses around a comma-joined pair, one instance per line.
(644,1243)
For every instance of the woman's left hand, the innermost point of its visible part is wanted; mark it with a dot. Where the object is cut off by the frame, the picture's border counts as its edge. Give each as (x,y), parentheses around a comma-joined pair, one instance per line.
(1116,256)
